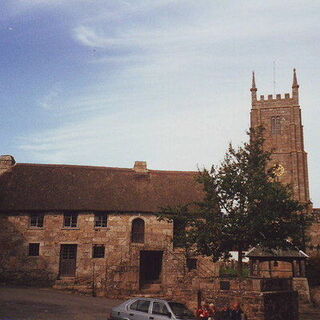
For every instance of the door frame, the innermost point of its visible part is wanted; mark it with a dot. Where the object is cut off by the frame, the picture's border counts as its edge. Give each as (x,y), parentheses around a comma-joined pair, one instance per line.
(63,245)
(143,281)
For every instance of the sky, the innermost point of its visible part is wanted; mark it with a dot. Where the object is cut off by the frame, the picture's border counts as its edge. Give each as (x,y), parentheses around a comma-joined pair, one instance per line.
(109,82)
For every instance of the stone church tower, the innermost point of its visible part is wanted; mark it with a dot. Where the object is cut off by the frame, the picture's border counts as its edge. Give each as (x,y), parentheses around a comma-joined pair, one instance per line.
(281,118)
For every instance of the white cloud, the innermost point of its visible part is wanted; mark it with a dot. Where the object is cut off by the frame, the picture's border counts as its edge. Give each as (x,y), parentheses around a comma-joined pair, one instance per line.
(49,100)
(89,38)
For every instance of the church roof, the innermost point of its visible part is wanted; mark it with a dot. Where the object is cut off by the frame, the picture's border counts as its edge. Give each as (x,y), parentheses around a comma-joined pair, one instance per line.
(68,187)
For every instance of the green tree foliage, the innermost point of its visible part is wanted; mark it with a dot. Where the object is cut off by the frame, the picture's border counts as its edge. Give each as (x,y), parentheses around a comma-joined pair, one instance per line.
(244,205)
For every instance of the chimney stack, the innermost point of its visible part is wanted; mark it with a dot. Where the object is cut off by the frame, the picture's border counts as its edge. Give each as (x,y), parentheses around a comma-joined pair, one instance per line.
(6,163)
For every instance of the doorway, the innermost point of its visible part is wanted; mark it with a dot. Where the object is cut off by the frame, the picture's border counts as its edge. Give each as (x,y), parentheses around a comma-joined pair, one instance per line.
(150,266)
(68,260)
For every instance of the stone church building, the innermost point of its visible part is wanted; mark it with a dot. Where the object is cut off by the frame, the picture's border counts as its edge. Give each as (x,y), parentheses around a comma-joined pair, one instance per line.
(95,229)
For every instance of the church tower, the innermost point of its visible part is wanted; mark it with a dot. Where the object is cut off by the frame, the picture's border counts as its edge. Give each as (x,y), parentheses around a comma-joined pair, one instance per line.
(281,118)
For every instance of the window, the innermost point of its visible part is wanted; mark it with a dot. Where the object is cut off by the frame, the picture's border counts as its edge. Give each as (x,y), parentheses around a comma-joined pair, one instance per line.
(36,220)
(191,264)
(134,306)
(275,263)
(224,285)
(100,220)
(137,232)
(276,125)
(160,308)
(180,310)
(179,231)
(98,251)
(140,305)
(70,220)
(34,249)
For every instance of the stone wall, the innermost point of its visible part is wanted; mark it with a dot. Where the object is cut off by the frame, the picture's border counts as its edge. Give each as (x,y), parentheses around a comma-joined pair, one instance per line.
(314,234)
(261,299)
(279,269)
(301,285)
(17,234)
(116,275)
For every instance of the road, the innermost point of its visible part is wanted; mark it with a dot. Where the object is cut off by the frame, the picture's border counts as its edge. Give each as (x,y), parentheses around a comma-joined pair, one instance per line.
(50,304)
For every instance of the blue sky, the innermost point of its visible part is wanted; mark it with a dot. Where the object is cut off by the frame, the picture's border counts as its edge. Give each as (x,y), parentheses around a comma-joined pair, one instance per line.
(167,81)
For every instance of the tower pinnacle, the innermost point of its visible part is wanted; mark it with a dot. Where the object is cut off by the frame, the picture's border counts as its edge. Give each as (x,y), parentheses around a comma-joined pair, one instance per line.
(295,86)
(295,82)
(253,86)
(253,89)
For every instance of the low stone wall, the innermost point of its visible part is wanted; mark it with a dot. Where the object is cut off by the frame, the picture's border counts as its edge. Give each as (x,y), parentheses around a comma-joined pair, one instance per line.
(27,277)
(301,285)
(261,299)
(315,295)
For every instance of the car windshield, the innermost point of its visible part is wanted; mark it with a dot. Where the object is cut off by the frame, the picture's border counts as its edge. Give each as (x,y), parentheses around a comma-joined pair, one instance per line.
(180,310)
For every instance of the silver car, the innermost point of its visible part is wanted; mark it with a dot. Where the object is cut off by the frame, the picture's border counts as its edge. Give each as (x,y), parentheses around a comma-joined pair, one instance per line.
(151,309)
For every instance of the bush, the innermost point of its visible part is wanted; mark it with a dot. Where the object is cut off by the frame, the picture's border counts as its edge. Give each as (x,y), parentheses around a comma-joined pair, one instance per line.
(231,271)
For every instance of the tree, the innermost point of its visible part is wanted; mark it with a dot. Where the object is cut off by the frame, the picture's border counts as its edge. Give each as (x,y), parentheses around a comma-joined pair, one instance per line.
(244,206)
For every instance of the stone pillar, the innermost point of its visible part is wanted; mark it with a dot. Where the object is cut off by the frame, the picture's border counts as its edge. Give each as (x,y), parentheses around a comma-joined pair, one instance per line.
(303,268)
(299,267)
(293,268)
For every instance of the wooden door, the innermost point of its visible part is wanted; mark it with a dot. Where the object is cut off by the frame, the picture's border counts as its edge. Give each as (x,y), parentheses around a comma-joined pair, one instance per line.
(68,260)
(150,266)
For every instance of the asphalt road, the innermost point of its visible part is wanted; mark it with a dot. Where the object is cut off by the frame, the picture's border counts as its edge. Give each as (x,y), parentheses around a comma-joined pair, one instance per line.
(50,304)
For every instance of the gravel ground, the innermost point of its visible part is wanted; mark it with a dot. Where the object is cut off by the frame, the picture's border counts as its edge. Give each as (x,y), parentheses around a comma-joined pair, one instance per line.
(50,304)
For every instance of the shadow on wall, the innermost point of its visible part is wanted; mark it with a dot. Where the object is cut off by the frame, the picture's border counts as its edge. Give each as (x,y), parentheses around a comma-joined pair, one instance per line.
(16,266)
(313,270)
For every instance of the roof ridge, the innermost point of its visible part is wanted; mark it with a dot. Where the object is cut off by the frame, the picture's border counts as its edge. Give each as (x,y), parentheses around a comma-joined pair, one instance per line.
(69,166)
(172,171)
(102,168)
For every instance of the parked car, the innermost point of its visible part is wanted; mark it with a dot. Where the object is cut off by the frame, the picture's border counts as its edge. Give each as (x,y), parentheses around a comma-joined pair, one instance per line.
(151,309)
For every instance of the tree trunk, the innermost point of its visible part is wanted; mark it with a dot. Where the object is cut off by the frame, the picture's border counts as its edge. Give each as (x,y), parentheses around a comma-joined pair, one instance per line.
(239,266)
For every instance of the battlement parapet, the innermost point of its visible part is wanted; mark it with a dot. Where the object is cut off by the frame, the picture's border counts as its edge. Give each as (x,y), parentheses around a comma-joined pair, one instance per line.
(277,96)
(275,100)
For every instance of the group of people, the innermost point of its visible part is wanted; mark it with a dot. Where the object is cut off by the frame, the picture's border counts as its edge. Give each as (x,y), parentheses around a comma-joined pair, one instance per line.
(210,312)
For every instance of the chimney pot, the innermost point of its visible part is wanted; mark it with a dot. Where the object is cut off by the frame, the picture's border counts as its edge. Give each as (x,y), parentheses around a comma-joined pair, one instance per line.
(140,167)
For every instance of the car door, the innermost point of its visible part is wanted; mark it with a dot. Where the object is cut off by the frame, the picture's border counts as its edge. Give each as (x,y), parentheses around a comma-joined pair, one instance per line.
(139,310)
(159,311)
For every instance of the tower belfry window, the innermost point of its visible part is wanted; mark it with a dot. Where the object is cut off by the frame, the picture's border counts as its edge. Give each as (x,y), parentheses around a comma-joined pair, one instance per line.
(276,125)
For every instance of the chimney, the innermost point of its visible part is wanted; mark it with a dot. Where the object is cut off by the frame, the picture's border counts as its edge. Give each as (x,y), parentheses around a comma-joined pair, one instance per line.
(140,167)
(6,163)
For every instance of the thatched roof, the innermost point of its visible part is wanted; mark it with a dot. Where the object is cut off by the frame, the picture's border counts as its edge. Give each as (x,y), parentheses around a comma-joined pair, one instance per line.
(69,187)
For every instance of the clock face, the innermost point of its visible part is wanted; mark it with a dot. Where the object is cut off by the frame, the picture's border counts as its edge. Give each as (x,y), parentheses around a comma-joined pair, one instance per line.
(279,171)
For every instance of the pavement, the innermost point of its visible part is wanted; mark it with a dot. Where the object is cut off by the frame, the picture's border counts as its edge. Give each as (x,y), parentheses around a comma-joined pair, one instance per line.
(50,304)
